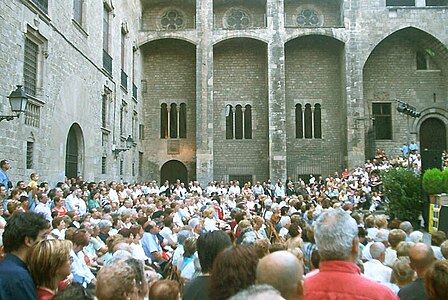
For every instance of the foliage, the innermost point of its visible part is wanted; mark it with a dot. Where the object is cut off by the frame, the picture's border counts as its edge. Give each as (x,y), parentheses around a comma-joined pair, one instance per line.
(445,180)
(402,189)
(433,181)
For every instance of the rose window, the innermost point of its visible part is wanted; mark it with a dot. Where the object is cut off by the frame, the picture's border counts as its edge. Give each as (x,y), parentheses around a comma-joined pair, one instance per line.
(172,20)
(308,17)
(237,19)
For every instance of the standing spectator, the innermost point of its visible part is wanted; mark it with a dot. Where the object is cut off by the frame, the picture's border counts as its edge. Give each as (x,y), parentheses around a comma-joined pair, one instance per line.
(422,258)
(21,232)
(4,179)
(284,272)
(49,263)
(336,235)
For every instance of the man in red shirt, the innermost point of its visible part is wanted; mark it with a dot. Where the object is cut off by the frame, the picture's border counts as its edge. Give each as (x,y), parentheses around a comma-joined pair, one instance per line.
(336,235)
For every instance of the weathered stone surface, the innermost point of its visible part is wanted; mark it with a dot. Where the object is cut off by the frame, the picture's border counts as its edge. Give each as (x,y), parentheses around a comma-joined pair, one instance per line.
(353,54)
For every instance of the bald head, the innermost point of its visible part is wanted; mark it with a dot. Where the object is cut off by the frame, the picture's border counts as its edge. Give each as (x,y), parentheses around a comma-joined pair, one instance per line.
(422,257)
(283,271)
(377,251)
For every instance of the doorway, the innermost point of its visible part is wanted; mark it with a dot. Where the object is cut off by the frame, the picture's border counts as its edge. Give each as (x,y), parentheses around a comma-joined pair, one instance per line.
(73,154)
(173,170)
(433,135)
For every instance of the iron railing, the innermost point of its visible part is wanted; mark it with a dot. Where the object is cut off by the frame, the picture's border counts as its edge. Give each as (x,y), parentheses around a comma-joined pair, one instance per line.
(107,62)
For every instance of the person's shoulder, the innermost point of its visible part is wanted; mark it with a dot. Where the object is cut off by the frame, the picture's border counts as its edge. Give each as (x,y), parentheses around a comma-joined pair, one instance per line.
(411,289)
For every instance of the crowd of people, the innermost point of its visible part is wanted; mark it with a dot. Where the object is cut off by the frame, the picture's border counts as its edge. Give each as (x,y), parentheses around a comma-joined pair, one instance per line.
(314,238)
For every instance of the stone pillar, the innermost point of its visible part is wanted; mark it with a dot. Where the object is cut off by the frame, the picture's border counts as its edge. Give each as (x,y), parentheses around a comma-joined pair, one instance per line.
(204,91)
(357,118)
(276,87)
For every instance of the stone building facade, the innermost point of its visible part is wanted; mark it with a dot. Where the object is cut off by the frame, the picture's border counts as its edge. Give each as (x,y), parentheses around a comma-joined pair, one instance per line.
(219,89)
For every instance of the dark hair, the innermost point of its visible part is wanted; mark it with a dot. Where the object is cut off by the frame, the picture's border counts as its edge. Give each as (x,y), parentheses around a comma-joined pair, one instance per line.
(189,246)
(23,199)
(167,221)
(79,238)
(209,245)
(234,270)
(75,291)
(3,162)
(21,225)
(125,232)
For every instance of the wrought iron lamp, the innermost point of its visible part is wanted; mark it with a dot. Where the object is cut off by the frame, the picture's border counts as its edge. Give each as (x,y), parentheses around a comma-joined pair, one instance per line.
(17,100)
(129,142)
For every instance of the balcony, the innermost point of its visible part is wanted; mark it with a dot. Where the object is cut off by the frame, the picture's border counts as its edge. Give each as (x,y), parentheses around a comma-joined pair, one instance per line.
(124,80)
(134,91)
(107,62)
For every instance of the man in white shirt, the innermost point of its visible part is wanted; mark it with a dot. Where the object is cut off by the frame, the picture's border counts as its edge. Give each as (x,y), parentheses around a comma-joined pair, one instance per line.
(374,268)
(42,208)
(113,196)
(72,199)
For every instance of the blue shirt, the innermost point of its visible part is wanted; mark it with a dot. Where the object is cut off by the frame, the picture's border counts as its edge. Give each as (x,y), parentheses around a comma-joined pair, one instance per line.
(4,178)
(150,244)
(15,279)
(80,270)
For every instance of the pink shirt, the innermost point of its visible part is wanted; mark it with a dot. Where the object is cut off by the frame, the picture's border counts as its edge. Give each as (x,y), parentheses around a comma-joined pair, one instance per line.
(343,280)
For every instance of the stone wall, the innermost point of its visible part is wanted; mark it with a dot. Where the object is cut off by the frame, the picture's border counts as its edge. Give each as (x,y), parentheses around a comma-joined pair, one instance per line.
(358,52)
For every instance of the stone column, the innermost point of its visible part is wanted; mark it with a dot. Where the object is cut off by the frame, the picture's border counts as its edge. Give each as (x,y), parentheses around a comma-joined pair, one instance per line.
(276,86)
(357,118)
(204,91)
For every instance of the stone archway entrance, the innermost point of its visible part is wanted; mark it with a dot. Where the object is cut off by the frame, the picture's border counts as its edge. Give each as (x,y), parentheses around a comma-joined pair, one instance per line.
(74,152)
(433,135)
(173,170)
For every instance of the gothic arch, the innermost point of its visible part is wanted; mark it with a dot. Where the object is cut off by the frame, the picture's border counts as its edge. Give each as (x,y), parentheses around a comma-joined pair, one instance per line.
(74,152)
(421,38)
(173,170)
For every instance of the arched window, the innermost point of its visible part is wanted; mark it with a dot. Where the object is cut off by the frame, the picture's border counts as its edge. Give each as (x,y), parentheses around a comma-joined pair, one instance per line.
(308,121)
(183,121)
(173,120)
(229,122)
(163,121)
(317,122)
(248,122)
(299,122)
(238,122)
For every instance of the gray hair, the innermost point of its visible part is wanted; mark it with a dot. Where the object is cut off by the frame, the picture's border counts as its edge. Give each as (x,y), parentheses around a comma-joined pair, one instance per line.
(406,226)
(254,292)
(376,249)
(334,233)
(103,224)
(183,235)
(194,222)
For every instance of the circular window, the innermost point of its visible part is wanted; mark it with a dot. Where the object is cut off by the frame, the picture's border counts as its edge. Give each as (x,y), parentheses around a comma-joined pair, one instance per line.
(172,20)
(308,17)
(237,19)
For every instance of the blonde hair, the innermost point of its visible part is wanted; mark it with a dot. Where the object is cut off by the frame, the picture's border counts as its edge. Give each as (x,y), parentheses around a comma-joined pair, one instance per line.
(45,258)
(208,212)
(402,272)
(117,272)
(381,221)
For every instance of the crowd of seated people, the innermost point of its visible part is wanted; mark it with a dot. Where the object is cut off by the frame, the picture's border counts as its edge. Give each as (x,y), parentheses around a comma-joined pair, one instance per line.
(281,240)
